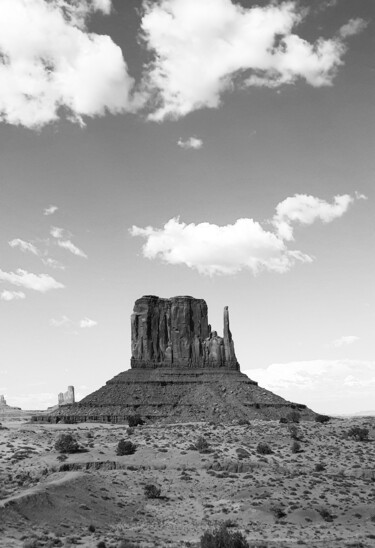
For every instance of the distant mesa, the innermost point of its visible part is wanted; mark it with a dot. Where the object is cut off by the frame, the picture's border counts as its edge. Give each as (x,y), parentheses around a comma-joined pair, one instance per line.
(66,398)
(181,370)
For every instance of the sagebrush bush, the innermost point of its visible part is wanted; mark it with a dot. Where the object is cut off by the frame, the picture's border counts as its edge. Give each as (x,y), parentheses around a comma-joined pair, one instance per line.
(125,447)
(222,538)
(319,467)
(293,416)
(66,443)
(293,431)
(296,447)
(278,511)
(322,418)
(135,420)
(263,448)
(151,491)
(202,444)
(358,433)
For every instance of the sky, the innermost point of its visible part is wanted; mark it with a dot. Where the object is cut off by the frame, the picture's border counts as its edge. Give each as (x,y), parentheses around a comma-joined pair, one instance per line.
(215,148)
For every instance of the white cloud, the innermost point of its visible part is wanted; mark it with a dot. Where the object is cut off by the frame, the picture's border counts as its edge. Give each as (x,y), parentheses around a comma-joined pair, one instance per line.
(50,210)
(305,210)
(67,244)
(213,249)
(352,27)
(192,142)
(51,65)
(11,295)
(24,246)
(202,49)
(87,323)
(345,341)
(328,386)
(52,263)
(28,280)
(62,322)
(57,232)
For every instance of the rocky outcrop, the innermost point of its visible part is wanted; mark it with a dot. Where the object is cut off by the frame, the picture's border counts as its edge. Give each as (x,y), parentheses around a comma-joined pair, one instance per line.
(2,400)
(180,371)
(66,398)
(176,333)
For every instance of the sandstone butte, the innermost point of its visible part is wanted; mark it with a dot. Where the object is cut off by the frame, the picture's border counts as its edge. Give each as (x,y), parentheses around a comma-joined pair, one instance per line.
(180,371)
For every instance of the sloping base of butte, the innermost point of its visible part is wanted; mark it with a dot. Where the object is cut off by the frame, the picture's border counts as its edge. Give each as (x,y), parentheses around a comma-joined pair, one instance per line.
(180,371)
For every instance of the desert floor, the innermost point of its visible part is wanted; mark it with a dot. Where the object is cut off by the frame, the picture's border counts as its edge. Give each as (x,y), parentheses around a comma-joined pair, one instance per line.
(96,498)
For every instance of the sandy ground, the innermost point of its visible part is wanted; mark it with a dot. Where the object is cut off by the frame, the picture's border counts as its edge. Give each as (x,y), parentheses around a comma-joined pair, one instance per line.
(96,497)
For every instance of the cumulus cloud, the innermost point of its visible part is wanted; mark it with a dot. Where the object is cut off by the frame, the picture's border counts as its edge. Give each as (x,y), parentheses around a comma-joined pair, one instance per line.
(68,245)
(328,386)
(192,142)
(50,65)
(202,49)
(246,244)
(57,232)
(11,295)
(305,210)
(50,210)
(87,323)
(62,322)
(352,27)
(344,341)
(24,246)
(28,280)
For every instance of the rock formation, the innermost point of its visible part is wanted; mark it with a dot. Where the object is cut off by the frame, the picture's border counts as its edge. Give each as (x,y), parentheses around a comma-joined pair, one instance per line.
(175,333)
(180,371)
(2,400)
(66,398)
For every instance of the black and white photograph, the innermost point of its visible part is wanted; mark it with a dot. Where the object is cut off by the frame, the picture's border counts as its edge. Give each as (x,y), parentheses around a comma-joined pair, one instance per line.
(187,273)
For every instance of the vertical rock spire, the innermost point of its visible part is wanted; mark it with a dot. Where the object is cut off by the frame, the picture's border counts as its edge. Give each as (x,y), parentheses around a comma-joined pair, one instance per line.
(230,356)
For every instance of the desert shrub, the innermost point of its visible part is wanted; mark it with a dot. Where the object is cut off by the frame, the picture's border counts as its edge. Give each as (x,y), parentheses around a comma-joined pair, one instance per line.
(130,431)
(91,528)
(319,467)
(283,420)
(125,448)
(322,418)
(263,448)
(66,443)
(293,416)
(278,512)
(358,433)
(151,491)
(202,444)
(243,422)
(135,420)
(293,431)
(222,538)
(296,447)
(326,514)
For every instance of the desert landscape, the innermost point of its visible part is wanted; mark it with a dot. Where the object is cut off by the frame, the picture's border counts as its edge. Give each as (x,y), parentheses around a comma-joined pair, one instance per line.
(320,493)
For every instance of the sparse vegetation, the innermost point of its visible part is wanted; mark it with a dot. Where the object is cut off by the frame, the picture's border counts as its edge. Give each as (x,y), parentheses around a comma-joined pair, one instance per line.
(125,447)
(296,447)
(151,491)
(322,418)
(202,445)
(293,416)
(222,538)
(326,514)
(358,433)
(319,467)
(66,443)
(263,448)
(278,511)
(135,420)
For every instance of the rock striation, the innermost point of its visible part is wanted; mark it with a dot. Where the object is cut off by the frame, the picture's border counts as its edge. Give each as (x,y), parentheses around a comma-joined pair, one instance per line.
(176,333)
(180,371)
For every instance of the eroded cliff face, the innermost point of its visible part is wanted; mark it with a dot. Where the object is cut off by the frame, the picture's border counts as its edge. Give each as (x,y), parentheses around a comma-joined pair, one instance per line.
(175,333)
